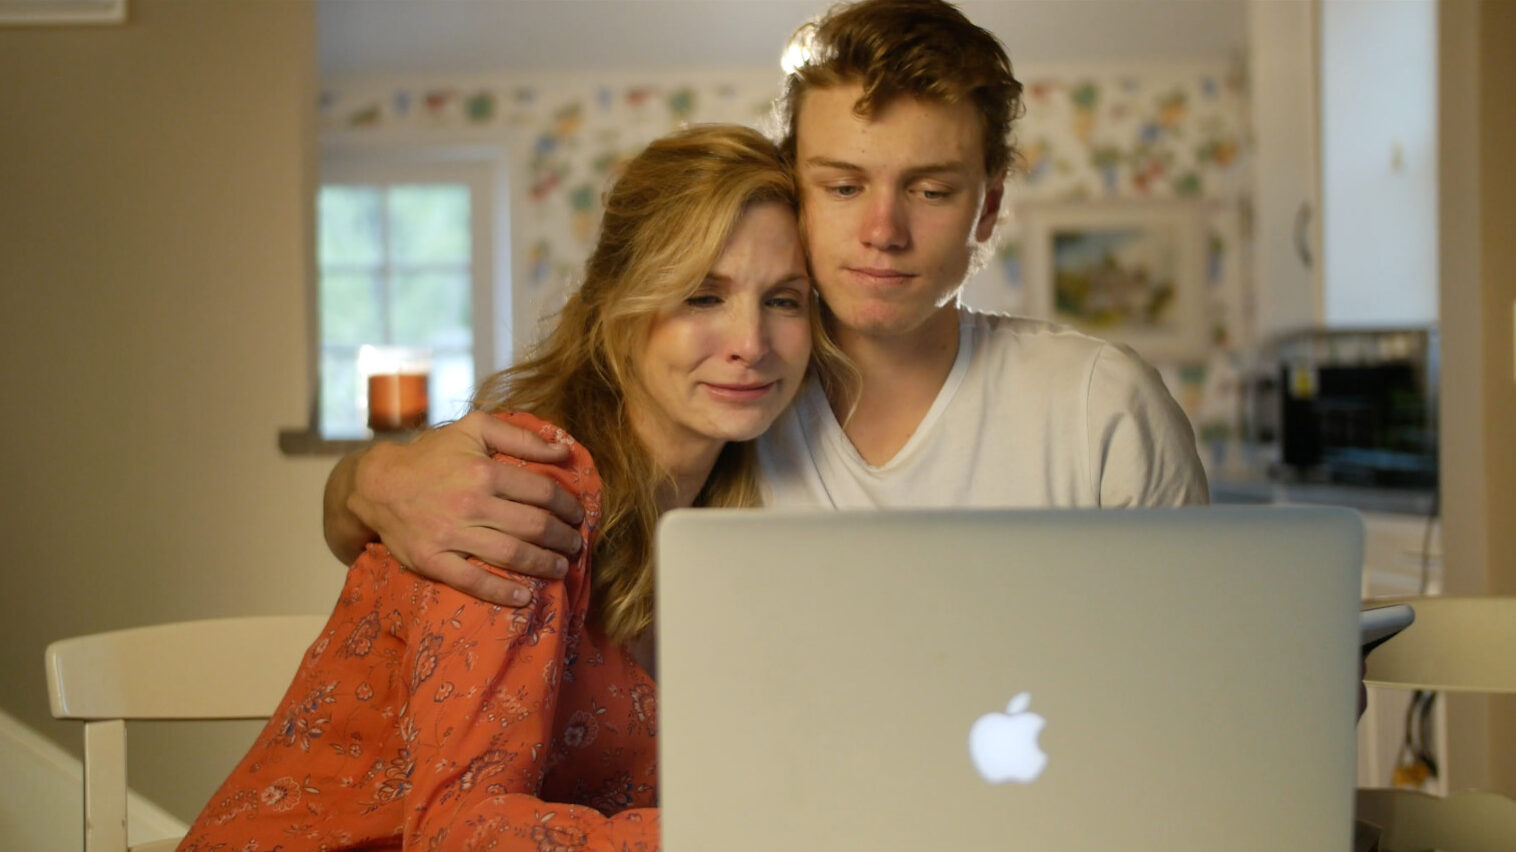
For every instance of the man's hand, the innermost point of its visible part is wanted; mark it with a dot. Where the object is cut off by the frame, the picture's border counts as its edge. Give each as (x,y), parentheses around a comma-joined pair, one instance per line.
(441,498)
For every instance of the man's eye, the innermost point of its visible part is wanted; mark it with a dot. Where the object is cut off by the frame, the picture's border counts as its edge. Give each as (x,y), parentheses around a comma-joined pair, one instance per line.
(935,194)
(845,190)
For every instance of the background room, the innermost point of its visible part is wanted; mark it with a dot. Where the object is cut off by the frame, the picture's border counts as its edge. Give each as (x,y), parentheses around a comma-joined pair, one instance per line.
(207,208)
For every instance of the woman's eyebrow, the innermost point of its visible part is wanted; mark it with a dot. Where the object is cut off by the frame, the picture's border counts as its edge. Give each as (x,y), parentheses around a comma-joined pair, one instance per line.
(793,278)
(797,278)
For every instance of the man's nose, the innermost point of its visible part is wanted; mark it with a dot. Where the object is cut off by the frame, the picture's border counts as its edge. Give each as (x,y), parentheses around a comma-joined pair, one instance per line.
(885,227)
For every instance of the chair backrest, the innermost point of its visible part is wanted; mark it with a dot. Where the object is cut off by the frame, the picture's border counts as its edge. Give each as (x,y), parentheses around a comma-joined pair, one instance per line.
(1456,644)
(231,668)
(1413,821)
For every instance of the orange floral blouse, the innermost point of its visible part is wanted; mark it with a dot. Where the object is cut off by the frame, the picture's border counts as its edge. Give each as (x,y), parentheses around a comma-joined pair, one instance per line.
(423,718)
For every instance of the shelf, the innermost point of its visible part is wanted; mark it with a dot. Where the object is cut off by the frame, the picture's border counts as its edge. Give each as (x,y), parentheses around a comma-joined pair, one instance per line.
(305,442)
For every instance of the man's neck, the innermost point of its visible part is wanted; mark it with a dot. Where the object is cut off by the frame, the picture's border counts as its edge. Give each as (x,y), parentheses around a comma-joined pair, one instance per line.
(900,379)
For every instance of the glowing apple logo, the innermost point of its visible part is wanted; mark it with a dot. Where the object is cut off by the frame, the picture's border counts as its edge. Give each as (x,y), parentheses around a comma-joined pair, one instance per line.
(1004,746)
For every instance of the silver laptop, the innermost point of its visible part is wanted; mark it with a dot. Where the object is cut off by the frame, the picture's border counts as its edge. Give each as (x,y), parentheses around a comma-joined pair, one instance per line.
(1169,679)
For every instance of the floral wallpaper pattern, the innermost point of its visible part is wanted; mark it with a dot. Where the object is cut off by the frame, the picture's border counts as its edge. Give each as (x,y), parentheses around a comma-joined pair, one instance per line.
(1137,133)
(564,138)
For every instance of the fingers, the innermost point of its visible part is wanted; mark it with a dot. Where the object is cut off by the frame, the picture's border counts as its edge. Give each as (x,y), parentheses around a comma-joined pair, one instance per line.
(466,577)
(442,498)
(511,553)
(524,489)
(516,485)
(515,531)
(501,437)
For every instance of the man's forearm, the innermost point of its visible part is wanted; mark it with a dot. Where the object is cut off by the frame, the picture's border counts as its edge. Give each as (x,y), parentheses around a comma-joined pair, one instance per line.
(346,535)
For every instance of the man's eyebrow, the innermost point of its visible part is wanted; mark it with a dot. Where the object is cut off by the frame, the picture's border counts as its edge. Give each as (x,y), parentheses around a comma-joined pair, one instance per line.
(825,163)
(947,166)
(952,166)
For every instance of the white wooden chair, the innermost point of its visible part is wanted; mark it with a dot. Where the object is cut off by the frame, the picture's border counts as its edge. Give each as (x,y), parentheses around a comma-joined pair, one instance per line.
(1456,644)
(231,668)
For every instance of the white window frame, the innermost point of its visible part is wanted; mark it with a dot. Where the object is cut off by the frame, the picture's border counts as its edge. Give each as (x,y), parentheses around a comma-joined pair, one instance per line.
(483,171)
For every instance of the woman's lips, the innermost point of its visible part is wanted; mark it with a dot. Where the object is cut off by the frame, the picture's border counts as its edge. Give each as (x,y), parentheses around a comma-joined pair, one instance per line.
(739,393)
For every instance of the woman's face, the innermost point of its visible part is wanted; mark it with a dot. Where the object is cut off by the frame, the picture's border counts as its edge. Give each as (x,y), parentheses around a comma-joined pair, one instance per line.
(724,363)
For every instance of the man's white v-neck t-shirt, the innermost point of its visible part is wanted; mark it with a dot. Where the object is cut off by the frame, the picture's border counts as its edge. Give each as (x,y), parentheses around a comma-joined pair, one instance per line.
(1032,415)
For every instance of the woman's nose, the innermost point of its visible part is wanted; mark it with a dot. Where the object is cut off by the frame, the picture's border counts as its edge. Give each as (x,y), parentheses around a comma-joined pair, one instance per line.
(747,335)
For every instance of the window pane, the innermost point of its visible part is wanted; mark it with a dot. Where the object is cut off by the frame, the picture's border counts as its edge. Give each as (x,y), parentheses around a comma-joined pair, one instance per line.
(433,308)
(349,225)
(340,416)
(452,384)
(396,267)
(429,224)
(350,308)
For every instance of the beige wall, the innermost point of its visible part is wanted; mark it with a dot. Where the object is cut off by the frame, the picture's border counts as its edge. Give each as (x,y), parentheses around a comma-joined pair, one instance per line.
(154,222)
(1497,276)
(1478,289)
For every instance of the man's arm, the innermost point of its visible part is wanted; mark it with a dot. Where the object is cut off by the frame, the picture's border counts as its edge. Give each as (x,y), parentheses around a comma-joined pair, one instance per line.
(442,498)
(1141,446)
(345,533)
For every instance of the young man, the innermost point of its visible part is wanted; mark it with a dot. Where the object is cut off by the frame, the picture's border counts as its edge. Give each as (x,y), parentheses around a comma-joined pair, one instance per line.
(898,119)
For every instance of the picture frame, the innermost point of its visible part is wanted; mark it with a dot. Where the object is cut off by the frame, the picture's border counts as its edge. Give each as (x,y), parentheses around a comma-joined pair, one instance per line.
(1126,271)
(50,13)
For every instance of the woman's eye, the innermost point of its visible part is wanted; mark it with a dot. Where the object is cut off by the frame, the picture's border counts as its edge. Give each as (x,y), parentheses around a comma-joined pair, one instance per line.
(703,300)
(793,304)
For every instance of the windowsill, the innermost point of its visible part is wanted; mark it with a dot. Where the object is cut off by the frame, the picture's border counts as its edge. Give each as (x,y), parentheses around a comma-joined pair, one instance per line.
(309,442)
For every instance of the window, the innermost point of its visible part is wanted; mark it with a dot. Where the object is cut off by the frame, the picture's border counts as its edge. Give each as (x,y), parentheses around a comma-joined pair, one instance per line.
(404,258)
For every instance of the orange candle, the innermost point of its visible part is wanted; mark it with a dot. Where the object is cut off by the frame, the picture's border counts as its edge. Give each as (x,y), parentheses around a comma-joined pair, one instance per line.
(397,401)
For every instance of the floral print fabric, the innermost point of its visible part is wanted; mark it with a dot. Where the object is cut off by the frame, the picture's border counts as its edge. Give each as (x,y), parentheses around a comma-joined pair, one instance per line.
(423,718)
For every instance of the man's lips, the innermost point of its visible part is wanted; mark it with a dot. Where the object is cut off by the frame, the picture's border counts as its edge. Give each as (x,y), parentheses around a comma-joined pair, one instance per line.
(881,275)
(739,392)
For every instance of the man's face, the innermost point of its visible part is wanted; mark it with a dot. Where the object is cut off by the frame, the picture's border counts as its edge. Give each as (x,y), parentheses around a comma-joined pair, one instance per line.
(894,205)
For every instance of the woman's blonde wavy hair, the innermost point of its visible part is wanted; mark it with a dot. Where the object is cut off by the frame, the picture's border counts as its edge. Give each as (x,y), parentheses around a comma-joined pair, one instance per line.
(667,219)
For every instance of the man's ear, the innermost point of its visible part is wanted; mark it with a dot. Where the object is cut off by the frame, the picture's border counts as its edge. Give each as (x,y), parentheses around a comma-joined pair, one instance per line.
(994,194)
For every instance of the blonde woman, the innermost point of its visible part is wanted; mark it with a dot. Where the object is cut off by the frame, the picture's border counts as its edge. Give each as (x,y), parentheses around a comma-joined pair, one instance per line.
(425,718)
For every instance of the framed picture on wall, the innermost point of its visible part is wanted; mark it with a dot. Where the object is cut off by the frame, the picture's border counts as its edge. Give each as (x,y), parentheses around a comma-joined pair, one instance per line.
(1127,271)
(61,12)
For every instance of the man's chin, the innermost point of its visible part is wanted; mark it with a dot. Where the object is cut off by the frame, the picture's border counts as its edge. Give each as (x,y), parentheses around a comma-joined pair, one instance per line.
(881,320)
